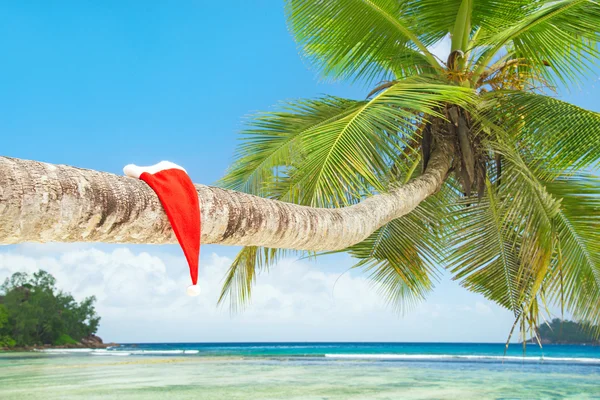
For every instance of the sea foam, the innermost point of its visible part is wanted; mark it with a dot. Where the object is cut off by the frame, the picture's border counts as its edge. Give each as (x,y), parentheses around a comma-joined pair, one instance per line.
(110,353)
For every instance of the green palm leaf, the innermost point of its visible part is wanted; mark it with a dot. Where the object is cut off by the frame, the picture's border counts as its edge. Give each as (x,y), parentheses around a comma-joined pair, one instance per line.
(558,136)
(349,158)
(403,257)
(503,246)
(485,252)
(357,38)
(557,36)
(241,276)
(272,140)
(437,18)
(576,276)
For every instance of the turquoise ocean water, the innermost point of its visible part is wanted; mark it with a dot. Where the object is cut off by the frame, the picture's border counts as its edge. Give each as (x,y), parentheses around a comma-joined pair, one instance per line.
(305,371)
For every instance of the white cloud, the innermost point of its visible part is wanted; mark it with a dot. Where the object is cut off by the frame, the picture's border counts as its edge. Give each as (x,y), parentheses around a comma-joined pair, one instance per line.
(482,308)
(141,297)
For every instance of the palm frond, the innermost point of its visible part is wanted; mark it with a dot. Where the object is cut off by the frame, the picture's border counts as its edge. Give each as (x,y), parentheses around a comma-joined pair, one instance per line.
(530,212)
(503,246)
(438,17)
(241,276)
(485,251)
(575,282)
(347,159)
(402,257)
(559,38)
(272,141)
(557,136)
(366,39)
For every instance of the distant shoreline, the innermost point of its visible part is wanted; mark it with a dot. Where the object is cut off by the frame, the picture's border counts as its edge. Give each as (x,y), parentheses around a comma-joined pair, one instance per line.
(51,347)
(91,342)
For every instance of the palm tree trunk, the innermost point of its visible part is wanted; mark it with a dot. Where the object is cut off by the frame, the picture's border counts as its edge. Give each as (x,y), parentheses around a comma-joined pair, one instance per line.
(42,202)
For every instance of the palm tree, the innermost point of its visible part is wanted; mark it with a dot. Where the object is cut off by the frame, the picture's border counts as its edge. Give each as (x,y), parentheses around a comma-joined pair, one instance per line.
(517,216)
(467,164)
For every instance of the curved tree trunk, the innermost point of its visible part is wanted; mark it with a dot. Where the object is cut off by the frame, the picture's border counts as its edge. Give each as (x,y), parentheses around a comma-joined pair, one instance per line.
(42,202)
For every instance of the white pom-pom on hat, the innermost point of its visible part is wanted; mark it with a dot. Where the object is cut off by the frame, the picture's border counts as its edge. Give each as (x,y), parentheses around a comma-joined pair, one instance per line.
(134,171)
(193,290)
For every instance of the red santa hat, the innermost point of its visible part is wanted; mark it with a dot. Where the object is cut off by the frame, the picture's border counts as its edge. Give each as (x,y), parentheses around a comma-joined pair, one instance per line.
(179,199)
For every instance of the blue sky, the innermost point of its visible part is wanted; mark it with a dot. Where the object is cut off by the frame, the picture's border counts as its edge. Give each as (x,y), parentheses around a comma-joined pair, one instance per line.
(102,84)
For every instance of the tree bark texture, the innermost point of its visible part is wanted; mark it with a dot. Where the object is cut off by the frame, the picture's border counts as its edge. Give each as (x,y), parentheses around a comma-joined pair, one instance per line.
(41,202)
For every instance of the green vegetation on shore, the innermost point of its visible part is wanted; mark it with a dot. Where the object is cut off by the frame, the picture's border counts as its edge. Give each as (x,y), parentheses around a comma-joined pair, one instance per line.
(567,332)
(34,312)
